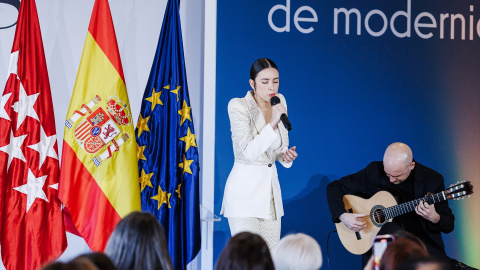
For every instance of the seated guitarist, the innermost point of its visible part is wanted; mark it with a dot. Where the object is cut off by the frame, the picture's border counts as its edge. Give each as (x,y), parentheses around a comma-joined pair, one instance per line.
(407,180)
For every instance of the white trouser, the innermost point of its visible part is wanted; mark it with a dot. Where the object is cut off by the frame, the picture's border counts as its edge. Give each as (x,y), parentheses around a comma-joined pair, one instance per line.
(268,229)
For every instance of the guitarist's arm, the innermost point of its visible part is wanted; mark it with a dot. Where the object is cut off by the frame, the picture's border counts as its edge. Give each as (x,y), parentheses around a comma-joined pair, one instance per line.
(428,212)
(353,183)
(439,216)
(446,222)
(436,221)
(353,221)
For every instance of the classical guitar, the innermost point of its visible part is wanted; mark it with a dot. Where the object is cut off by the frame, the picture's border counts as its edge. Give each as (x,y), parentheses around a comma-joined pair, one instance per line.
(383,208)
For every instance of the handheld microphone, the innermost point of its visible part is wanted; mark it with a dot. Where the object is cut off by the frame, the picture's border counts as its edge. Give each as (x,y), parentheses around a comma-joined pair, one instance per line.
(274,101)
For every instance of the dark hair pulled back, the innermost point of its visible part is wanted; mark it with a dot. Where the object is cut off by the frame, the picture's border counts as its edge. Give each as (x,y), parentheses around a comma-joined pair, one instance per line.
(259,65)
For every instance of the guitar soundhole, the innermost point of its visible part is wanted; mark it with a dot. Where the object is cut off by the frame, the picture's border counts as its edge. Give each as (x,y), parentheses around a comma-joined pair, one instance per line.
(377,215)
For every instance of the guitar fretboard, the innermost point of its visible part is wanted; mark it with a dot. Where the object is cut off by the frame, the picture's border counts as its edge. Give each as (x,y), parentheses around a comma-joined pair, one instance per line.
(404,208)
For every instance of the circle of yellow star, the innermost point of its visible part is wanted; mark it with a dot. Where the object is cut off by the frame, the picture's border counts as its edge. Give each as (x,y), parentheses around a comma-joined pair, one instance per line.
(189,140)
(185,112)
(185,165)
(178,191)
(155,98)
(145,180)
(142,125)
(140,154)
(162,197)
(176,91)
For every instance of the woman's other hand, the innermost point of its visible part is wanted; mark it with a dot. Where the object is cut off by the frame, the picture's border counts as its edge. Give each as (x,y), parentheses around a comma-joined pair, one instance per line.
(290,155)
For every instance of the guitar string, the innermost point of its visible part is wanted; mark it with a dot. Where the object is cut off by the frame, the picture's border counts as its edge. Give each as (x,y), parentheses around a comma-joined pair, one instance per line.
(398,210)
(407,207)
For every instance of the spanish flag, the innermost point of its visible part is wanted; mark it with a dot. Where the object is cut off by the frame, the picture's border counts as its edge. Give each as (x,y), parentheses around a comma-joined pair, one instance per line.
(99,174)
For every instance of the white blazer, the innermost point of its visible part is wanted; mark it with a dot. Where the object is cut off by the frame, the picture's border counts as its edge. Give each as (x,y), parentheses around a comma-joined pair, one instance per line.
(253,178)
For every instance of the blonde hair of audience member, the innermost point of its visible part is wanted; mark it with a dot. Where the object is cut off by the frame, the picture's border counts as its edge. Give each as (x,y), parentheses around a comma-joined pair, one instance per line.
(297,251)
(138,242)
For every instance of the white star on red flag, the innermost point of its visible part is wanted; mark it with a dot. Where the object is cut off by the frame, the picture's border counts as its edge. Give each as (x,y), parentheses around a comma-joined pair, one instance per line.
(54,186)
(14,148)
(45,147)
(13,67)
(24,106)
(33,188)
(3,112)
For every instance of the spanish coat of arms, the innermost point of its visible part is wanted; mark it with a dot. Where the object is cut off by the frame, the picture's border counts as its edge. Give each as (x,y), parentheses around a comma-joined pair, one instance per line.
(100,127)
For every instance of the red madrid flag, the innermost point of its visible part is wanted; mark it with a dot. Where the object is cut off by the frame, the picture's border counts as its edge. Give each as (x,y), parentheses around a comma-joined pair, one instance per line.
(32,231)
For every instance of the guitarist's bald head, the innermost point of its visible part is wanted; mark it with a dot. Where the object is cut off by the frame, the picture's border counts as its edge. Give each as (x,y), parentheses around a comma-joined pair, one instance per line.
(398,153)
(398,162)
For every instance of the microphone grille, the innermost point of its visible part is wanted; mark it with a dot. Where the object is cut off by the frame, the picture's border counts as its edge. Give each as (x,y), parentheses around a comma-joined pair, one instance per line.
(274,100)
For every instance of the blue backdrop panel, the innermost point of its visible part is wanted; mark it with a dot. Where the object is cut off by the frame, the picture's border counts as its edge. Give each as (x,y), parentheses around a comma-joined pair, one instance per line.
(351,95)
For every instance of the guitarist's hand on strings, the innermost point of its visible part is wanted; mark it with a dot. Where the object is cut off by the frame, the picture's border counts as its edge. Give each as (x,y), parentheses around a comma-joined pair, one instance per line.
(427,211)
(353,221)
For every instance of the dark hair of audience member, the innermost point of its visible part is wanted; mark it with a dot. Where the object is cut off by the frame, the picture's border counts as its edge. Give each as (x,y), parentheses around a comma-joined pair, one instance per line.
(100,260)
(423,263)
(138,242)
(400,250)
(404,234)
(245,251)
(75,264)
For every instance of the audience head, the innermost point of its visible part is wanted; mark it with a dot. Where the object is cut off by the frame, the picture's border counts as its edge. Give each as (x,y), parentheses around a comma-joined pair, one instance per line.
(424,263)
(245,251)
(297,251)
(100,260)
(400,250)
(138,242)
(75,264)
(410,236)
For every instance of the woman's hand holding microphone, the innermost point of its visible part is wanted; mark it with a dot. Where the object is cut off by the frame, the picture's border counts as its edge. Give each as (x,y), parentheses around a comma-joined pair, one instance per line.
(277,111)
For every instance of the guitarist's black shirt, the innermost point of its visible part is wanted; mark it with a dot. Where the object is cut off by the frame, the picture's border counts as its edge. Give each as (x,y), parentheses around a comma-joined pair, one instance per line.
(404,192)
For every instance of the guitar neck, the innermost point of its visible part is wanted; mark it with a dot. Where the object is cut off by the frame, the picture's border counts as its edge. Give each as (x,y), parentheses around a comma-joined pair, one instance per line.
(400,209)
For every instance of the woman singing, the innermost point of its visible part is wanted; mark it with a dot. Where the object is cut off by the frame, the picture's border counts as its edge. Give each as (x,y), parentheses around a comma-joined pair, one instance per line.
(252,200)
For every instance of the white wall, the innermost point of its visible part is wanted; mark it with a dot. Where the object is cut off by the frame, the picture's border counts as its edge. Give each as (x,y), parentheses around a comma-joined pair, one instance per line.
(64,27)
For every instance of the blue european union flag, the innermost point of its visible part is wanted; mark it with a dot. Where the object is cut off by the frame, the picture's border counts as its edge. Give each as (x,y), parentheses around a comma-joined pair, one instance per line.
(167,150)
